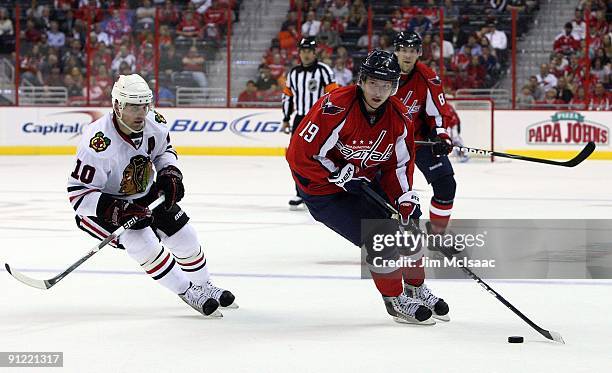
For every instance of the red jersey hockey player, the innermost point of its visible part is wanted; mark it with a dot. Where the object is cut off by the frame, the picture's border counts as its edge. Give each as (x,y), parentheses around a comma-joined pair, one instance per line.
(420,89)
(356,134)
(113,181)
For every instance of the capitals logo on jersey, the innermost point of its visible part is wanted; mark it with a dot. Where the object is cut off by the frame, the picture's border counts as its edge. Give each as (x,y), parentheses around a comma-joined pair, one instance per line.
(367,153)
(136,175)
(99,142)
(329,108)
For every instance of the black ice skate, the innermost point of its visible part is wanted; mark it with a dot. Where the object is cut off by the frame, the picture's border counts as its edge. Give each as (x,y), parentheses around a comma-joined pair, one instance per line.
(407,310)
(422,293)
(295,203)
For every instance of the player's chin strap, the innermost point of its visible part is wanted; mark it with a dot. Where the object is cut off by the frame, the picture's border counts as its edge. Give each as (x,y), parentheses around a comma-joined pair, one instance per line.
(126,127)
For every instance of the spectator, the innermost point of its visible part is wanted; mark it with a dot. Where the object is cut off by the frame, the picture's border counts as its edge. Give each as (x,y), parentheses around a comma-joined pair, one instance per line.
(194,62)
(600,54)
(117,25)
(124,69)
(564,93)
(558,64)
(451,11)
(601,99)
(328,36)
(386,44)
(216,15)
(575,68)
(566,43)
(550,100)
(457,36)
(164,96)
(277,68)
(358,16)
(398,21)
(48,65)
(30,67)
(490,61)
(145,13)
(475,48)
(124,56)
(497,39)
(536,89)
(103,78)
(168,15)
(249,95)
(419,24)
(426,49)
(102,36)
(75,53)
(145,62)
(68,23)
(170,62)
(545,79)
(525,100)
(54,79)
(461,59)
(477,71)
(31,34)
(312,26)
(264,81)
(6,25)
(339,9)
(342,52)
(290,21)
(189,27)
(578,25)
(607,45)
(73,88)
(447,48)
(288,39)
(601,72)
(579,101)
(55,37)
(343,75)
(599,23)
(272,94)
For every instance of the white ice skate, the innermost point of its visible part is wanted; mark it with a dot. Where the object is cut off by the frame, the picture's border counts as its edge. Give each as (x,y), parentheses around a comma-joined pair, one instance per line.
(225,297)
(422,293)
(407,310)
(201,299)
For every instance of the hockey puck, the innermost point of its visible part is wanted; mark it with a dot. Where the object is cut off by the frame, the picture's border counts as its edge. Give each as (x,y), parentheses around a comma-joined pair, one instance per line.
(515,339)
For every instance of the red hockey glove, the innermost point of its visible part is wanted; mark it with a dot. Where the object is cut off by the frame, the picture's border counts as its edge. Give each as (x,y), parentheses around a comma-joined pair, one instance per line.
(409,208)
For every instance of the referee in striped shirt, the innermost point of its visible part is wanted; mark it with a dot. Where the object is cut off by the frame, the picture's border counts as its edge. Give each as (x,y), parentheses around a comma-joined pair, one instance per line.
(306,83)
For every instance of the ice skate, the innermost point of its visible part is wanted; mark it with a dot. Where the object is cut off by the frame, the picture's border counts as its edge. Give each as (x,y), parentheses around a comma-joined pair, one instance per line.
(225,297)
(201,299)
(422,293)
(407,310)
(295,202)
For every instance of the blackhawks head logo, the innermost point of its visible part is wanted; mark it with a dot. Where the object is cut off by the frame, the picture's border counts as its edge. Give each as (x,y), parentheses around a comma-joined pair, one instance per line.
(99,143)
(136,175)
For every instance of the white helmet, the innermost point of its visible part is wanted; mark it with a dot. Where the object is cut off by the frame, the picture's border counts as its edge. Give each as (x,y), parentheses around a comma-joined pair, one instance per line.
(130,89)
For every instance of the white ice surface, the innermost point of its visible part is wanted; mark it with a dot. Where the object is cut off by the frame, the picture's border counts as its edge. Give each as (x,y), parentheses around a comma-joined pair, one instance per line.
(303,307)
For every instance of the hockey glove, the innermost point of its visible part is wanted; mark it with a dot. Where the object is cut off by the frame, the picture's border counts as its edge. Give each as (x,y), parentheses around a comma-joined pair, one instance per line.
(118,211)
(443,144)
(170,183)
(409,208)
(345,178)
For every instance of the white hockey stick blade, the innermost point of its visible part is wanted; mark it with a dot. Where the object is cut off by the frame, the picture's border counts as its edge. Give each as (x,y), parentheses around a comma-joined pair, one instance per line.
(556,337)
(39,284)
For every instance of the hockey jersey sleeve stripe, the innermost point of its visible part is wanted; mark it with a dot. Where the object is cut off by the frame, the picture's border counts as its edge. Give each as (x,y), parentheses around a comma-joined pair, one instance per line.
(432,109)
(99,232)
(403,157)
(75,188)
(72,198)
(327,146)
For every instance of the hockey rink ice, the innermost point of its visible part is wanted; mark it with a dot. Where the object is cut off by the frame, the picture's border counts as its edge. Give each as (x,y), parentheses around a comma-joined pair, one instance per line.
(303,307)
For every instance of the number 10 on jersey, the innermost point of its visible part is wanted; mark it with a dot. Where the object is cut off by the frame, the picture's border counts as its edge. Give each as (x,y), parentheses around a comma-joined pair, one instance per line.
(309,132)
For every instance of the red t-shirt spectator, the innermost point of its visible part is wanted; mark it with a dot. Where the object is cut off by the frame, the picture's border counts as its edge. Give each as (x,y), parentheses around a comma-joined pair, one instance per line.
(215,15)
(247,96)
(192,26)
(566,44)
(600,102)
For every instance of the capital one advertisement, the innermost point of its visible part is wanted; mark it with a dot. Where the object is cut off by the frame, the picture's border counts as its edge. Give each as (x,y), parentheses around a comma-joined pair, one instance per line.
(189,128)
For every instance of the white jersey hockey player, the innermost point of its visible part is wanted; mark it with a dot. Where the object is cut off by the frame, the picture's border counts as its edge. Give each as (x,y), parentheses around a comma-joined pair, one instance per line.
(114,180)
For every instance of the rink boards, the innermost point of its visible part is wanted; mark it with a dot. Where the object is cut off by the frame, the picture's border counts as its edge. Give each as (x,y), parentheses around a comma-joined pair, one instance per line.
(211,131)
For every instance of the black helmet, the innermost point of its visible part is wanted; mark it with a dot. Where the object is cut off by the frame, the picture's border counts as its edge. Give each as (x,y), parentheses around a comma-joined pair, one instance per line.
(407,39)
(380,64)
(308,43)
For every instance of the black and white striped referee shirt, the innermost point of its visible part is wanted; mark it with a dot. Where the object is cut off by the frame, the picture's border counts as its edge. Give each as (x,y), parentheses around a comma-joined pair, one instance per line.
(305,85)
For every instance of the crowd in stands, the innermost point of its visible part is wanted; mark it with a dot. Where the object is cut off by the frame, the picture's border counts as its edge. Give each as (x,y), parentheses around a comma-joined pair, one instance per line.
(58,37)
(576,78)
(474,47)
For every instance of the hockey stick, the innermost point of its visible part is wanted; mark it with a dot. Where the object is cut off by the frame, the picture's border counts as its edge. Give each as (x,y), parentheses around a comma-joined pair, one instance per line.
(553,336)
(584,154)
(47,284)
